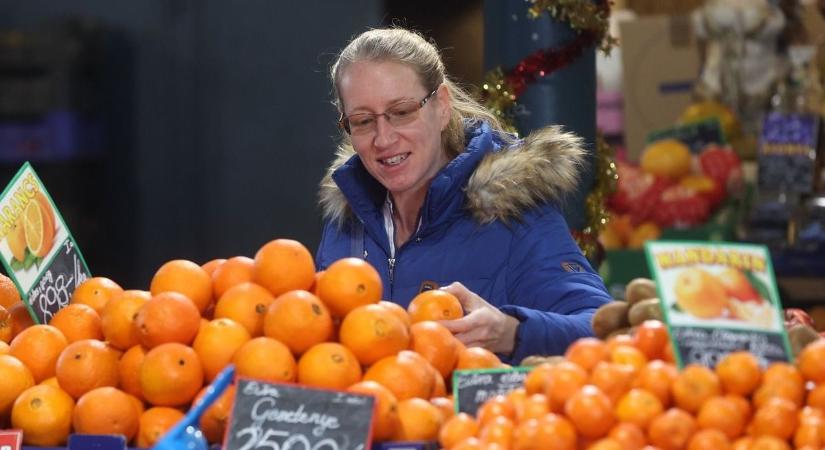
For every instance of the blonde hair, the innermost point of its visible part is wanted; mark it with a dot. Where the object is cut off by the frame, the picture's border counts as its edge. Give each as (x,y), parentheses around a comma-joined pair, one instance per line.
(408,47)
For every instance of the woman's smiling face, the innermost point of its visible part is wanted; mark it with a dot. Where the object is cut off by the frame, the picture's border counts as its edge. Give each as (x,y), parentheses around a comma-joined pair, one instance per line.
(402,158)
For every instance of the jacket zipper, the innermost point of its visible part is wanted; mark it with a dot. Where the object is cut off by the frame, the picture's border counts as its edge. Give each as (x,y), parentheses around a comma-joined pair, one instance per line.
(391,263)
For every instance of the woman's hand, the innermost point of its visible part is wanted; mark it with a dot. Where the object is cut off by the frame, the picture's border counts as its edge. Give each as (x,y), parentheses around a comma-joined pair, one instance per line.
(483,325)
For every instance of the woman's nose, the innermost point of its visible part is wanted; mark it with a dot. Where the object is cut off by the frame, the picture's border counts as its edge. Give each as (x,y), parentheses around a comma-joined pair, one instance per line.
(384,132)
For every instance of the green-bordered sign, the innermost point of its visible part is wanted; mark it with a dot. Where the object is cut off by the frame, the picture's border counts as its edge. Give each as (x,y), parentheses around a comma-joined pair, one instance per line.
(696,135)
(718,298)
(471,388)
(36,247)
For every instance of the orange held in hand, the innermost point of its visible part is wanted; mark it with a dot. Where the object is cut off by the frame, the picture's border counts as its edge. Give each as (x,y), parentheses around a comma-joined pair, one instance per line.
(435,305)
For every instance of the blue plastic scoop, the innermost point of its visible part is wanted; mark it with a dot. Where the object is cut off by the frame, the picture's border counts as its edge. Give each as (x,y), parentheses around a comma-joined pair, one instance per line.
(186,435)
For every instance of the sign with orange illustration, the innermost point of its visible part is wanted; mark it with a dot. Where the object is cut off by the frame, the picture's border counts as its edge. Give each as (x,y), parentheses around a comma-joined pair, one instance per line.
(718,298)
(36,248)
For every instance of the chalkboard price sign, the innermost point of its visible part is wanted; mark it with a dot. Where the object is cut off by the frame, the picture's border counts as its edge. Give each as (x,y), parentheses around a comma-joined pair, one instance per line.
(57,283)
(289,417)
(471,388)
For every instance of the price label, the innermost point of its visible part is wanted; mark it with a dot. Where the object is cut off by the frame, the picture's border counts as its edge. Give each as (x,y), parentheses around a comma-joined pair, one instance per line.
(471,388)
(288,417)
(718,298)
(36,247)
(11,439)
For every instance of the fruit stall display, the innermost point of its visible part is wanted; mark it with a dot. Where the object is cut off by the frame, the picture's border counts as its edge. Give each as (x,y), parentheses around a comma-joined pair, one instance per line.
(131,362)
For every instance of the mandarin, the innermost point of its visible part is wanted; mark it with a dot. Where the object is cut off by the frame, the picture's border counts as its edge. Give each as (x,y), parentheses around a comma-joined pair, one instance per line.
(587,352)
(298,319)
(457,428)
(347,284)
(672,430)
(283,265)
(693,386)
(117,321)
(373,332)
(739,373)
(590,411)
(639,406)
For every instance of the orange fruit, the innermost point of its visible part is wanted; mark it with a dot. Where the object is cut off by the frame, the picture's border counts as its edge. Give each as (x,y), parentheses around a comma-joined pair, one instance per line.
(816,397)
(587,352)
(385,421)
(232,272)
(419,420)
(638,406)
(44,414)
(117,321)
(435,304)
(651,337)
(128,369)
(590,411)
(171,375)
(629,355)
(217,342)
(406,375)
(184,277)
(436,344)
(629,436)
(373,332)
(38,347)
(329,365)
(20,318)
(51,382)
(476,358)
(780,379)
(563,380)
(106,410)
(38,228)
(16,379)
(445,404)
(811,361)
(613,379)
(777,417)
(606,443)
(498,431)
(283,265)
(668,158)
(299,320)
(693,386)
(472,443)
(551,432)
(347,284)
(154,423)
(398,310)
(245,303)
(811,430)
(212,265)
(266,359)
(709,439)
(739,373)
(214,420)
(537,378)
(672,430)
(96,292)
(656,377)
(167,317)
(77,321)
(4,348)
(6,326)
(768,442)
(85,365)
(721,413)
(16,239)
(534,406)
(457,428)
(496,406)
(9,295)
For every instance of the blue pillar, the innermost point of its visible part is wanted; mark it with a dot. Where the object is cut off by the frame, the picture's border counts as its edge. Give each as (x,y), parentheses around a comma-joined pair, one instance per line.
(565,97)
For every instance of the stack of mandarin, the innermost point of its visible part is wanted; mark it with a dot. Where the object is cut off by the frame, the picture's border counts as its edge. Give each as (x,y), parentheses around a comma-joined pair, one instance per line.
(625,393)
(131,362)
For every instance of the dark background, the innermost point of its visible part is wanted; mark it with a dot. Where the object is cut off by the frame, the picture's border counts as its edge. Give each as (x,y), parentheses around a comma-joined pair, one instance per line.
(217,121)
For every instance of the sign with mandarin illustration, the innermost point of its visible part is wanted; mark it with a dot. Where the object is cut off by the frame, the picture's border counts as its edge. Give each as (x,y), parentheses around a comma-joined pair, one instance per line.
(718,298)
(36,247)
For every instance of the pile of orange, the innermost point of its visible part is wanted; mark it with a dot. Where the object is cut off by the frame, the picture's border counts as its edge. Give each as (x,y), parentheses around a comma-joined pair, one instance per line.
(625,393)
(129,362)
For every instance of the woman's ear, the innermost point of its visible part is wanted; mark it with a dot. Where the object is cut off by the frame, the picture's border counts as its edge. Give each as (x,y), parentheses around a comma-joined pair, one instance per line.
(445,105)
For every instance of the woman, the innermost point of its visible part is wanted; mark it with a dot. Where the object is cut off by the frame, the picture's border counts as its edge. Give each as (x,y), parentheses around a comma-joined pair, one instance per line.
(428,188)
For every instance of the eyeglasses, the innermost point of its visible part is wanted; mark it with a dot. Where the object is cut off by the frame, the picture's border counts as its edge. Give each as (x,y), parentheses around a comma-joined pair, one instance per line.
(397,115)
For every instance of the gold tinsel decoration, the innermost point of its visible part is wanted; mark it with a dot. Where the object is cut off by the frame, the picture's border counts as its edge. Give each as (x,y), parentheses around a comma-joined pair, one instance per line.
(581,15)
(499,98)
(606,177)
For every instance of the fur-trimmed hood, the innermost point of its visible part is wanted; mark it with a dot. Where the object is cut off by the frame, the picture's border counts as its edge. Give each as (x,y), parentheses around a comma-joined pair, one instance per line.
(502,182)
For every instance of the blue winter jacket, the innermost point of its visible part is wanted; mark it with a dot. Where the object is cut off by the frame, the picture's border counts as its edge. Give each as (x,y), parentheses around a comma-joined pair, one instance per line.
(491,221)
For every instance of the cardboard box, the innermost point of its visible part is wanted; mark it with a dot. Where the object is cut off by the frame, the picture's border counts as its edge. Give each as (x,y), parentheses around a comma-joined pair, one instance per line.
(667,7)
(661,63)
